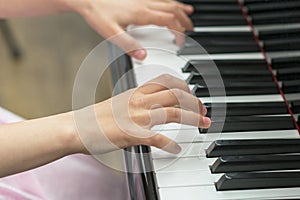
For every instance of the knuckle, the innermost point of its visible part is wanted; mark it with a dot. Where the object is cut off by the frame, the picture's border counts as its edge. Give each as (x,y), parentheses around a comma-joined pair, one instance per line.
(150,141)
(166,77)
(179,94)
(174,7)
(136,102)
(177,9)
(172,17)
(155,140)
(140,119)
(182,29)
(142,11)
(173,113)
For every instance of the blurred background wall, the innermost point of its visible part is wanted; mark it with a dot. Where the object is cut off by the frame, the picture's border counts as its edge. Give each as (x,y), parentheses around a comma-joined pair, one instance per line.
(40,82)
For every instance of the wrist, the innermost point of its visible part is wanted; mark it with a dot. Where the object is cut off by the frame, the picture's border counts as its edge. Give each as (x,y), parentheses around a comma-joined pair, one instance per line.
(79,6)
(70,140)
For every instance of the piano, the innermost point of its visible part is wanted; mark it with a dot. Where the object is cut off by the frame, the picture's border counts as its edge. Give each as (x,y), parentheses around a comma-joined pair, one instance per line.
(243,62)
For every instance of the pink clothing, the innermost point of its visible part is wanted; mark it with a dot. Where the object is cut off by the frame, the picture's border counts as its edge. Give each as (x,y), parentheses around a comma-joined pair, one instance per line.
(74,177)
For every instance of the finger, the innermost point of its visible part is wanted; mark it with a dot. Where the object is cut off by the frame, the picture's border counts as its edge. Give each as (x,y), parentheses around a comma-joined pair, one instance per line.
(176,10)
(163,82)
(177,115)
(163,142)
(116,34)
(160,18)
(179,38)
(188,9)
(128,44)
(173,97)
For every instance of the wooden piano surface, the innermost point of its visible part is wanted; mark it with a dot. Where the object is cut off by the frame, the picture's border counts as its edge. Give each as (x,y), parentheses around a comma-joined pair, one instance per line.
(187,175)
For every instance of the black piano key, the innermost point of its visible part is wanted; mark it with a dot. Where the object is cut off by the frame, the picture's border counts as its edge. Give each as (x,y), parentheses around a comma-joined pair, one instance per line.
(218,2)
(249,2)
(288,73)
(244,109)
(295,105)
(279,33)
(249,123)
(236,36)
(278,63)
(231,76)
(272,6)
(252,147)
(203,8)
(226,43)
(236,88)
(219,47)
(222,42)
(280,17)
(218,19)
(291,86)
(282,44)
(255,163)
(247,64)
(257,180)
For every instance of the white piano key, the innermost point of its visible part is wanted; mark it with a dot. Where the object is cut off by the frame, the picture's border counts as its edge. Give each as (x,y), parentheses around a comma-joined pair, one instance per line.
(223,29)
(184,136)
(200,177)
(182,164)
(191,86)
(148,72)
(266,27)
(245,98)
(292,97)
(209,193)
(227,56)
(186,178)
(280,54)
(193,135)
(157,37)
(257,135)
(193,143)
(188,150)
(172,126)
(187,175)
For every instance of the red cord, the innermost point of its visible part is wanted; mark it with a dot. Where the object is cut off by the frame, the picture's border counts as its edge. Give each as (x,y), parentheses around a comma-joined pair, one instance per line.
(245,14)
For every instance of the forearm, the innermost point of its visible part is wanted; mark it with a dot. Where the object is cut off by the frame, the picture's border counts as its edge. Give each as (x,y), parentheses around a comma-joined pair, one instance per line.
(33,143)
(23,8)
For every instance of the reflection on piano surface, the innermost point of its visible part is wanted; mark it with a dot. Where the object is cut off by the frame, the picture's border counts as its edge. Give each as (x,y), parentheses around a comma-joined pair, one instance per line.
(255,45)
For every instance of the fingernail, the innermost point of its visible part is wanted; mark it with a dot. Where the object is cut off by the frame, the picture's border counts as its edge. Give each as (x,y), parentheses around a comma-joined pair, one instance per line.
(139,54)
(177,149)
(190,8)
(207,121)
(204,110)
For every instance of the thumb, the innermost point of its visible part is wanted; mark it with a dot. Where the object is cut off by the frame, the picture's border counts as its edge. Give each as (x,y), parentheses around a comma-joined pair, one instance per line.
(131,46)
(164,143)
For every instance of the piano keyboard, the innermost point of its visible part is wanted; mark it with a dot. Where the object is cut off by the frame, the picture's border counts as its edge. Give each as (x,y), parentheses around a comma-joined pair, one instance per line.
(252,149)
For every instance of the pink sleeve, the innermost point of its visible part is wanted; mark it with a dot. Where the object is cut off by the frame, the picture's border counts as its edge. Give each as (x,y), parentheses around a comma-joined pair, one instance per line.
(74,177)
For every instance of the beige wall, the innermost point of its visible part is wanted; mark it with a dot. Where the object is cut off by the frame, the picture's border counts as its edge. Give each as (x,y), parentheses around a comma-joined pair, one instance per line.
(41,82)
